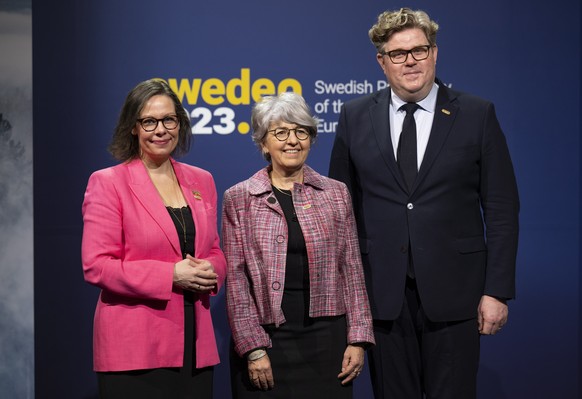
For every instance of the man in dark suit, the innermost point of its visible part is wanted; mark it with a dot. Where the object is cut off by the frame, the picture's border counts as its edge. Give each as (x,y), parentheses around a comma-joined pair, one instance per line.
(436,204)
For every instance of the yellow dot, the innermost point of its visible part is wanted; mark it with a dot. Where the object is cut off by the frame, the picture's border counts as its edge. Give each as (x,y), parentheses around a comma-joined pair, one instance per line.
(243,128)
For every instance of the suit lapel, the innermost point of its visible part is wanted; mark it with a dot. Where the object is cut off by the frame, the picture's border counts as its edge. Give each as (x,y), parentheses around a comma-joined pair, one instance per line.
(147,195)
(445,113)
(380,116)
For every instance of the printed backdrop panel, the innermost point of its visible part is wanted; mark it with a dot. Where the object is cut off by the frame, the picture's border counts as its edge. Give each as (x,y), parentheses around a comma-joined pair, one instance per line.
(220,57)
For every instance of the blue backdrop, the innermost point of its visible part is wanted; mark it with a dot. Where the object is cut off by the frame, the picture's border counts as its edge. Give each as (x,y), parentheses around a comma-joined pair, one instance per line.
(220,56)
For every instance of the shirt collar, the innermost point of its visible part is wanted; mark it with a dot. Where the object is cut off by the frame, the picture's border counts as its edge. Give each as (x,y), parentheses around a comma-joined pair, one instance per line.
(428,103)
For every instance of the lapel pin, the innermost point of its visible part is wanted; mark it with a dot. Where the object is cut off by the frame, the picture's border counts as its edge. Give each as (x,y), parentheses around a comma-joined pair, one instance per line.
(197,195)
(306,206)
(445,111)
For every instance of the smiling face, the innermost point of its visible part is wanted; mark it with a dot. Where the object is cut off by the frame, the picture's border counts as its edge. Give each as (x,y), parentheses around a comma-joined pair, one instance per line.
(157,146)
(411,80)
(287,157)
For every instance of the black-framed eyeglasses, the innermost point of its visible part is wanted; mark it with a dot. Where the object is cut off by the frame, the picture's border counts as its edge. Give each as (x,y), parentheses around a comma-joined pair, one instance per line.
(419,53)
(282,133)
(150,124)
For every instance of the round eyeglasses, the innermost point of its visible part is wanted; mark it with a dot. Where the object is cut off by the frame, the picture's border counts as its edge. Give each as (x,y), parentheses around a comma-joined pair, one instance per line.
(150,124)
(400,56)
(282,133)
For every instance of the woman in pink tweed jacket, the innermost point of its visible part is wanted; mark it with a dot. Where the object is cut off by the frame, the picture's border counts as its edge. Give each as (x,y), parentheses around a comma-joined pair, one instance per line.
(296,298)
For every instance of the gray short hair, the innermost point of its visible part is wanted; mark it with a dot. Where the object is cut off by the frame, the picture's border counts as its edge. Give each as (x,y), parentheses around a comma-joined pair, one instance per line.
(286,107)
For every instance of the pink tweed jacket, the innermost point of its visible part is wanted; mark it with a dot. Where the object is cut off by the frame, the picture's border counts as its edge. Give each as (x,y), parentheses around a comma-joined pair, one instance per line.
(254,233)
(129,249)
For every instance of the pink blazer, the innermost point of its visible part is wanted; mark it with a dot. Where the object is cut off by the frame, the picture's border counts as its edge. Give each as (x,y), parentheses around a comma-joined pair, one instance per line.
(129,249)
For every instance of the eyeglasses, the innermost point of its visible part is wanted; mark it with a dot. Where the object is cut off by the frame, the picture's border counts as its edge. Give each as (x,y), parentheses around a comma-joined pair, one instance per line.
(282,133)
(400,56)
(149,124)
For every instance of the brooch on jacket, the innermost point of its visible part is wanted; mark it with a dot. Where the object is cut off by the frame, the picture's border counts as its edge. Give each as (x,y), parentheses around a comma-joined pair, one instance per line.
(197,195)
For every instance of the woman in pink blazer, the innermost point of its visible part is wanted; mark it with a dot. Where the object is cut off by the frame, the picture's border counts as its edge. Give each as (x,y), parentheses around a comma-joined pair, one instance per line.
(150,243)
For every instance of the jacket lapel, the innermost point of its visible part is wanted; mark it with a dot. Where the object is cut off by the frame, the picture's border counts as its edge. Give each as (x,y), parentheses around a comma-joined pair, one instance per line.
(445,113)
(380,117)
(146,194)
(261,185)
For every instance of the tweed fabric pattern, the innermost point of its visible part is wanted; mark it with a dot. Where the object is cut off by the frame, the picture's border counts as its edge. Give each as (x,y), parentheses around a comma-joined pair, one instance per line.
(254,237)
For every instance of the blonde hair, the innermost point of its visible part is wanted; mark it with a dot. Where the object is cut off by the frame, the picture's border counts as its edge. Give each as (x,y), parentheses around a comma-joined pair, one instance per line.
(390,22)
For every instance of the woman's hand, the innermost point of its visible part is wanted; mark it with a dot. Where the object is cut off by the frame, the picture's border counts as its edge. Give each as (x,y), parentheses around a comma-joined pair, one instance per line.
(194,274)
(261,374)
(352,364)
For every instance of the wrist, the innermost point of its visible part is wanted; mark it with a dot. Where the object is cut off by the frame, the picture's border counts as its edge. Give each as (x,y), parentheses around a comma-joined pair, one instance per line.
(256,354)
(175,274)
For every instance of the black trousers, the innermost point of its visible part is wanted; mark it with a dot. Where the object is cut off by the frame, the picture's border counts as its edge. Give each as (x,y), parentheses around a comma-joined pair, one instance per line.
(415,358)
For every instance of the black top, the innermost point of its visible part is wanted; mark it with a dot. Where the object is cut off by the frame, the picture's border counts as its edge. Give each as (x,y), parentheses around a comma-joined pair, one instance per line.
(296,266)
(184,222)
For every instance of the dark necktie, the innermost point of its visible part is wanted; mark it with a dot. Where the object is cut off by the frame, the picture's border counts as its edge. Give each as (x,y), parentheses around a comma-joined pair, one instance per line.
(407,152)
(407,160)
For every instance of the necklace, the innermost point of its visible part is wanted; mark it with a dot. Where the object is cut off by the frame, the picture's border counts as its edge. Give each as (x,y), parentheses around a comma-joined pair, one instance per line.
(281,191)
(294,217)
(169,191)
(181,223)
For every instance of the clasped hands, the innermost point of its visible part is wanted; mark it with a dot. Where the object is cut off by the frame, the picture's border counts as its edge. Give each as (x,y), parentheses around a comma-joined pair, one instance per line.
(195,274)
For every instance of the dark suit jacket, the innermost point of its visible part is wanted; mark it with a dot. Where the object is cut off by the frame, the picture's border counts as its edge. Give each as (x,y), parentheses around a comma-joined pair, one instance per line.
(460,218)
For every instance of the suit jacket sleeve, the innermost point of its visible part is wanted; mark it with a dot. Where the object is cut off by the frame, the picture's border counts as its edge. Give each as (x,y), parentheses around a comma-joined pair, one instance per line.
(339,167)
(500,204)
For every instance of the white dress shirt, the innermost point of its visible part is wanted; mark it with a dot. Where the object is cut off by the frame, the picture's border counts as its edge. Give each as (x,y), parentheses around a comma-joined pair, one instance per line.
(423,118)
